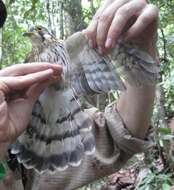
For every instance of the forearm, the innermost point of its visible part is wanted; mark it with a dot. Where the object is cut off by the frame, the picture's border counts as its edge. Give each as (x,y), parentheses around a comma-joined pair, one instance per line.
(136,105)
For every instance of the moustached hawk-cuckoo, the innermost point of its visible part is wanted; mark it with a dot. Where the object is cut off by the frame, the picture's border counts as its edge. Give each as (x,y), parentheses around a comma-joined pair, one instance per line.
(60,132)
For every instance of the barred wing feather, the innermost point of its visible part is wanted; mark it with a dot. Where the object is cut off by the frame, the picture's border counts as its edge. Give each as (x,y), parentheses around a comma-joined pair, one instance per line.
(125,62)
(60,132)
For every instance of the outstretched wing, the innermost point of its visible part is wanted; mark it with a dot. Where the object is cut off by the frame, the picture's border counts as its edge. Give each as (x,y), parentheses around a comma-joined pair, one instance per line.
(136,66)
(90,72)
(59,132)
(93,73)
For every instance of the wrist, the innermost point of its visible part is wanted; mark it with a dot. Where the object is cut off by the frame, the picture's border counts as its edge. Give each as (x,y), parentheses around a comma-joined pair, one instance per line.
(150,48)
(149,45)
(137,119)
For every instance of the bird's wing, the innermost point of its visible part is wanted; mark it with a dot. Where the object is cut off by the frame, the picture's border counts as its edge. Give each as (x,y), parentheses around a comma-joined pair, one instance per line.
(90,72)
(93,73)
(136,66)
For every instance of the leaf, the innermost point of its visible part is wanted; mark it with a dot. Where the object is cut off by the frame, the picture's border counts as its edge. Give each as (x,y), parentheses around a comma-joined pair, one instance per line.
(2,172)
(166,186)
(164,130)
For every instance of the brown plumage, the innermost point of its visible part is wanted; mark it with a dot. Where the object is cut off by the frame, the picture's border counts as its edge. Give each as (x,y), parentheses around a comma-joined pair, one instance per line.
(60,133)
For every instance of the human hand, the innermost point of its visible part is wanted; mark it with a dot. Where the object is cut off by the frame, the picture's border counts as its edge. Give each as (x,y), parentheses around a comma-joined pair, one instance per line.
(30,79)
(133,20)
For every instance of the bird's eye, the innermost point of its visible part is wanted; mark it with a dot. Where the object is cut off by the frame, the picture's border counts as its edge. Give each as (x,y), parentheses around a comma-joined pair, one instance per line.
(39,28)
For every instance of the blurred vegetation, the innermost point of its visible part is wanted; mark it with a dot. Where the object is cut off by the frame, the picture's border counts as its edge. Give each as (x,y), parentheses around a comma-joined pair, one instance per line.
(63,17)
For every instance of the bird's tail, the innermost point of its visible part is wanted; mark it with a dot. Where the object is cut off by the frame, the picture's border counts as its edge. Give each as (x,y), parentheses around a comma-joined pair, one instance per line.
(56,140)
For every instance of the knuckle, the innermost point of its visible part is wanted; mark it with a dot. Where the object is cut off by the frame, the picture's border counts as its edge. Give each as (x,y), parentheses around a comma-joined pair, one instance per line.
(146,19)
(123,11)
(91,30)
(139,3)
(154,9)
(143,3)
(97,15)
(151,14)
(105,17)
(95,18)
(91,35)
(21,79)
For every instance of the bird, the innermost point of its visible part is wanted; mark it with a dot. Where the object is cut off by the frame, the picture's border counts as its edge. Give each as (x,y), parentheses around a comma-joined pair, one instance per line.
(59,133)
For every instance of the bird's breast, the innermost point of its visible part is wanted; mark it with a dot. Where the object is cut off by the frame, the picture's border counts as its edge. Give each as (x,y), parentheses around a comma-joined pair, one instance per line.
(53,103)
(48,55)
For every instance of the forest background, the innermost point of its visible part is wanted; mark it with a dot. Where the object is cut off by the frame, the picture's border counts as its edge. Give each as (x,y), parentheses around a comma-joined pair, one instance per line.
(149,171)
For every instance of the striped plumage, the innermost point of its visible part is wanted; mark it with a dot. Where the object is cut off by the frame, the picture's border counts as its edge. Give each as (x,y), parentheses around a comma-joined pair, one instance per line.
(60,132)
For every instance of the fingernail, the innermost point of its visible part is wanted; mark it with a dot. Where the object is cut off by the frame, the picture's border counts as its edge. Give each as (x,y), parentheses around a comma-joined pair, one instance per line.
(108,43)
(55,77)
(91,44)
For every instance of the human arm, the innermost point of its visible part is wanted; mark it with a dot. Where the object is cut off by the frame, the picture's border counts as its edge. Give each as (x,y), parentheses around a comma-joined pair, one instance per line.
(115,142)
(112,22)
(28,80)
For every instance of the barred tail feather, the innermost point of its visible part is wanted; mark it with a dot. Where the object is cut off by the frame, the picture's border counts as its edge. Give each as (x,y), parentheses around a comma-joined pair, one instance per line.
(58,136)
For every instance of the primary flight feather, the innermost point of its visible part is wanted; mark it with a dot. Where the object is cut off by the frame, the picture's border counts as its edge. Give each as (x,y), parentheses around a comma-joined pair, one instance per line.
(60,132)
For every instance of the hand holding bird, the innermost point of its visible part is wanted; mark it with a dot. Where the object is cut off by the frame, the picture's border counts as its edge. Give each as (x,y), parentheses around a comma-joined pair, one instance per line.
(60,132)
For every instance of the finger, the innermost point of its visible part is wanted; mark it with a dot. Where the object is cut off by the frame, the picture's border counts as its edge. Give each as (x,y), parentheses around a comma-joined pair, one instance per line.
(105,21)
(22,107)
(35,90)
(4,118)
(91,30)
(3,112)
(121,18)
(27,104)
(90,33)
(23,69)
(22,82)
(148,16)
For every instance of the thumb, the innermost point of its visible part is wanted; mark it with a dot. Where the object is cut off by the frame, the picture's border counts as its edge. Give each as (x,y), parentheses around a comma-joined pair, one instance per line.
(35,90)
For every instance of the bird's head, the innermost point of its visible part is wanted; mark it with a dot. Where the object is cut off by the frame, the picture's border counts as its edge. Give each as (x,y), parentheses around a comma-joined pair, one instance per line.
(38,35)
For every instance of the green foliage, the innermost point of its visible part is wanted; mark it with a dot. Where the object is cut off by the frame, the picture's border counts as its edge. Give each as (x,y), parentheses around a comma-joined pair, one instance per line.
(166,51)
(89,8)
(21,15)
(155,181)
(24,13)
(95,185)
(2,172)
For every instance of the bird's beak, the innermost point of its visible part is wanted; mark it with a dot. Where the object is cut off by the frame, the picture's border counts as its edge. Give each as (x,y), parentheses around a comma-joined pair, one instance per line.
(28,34)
